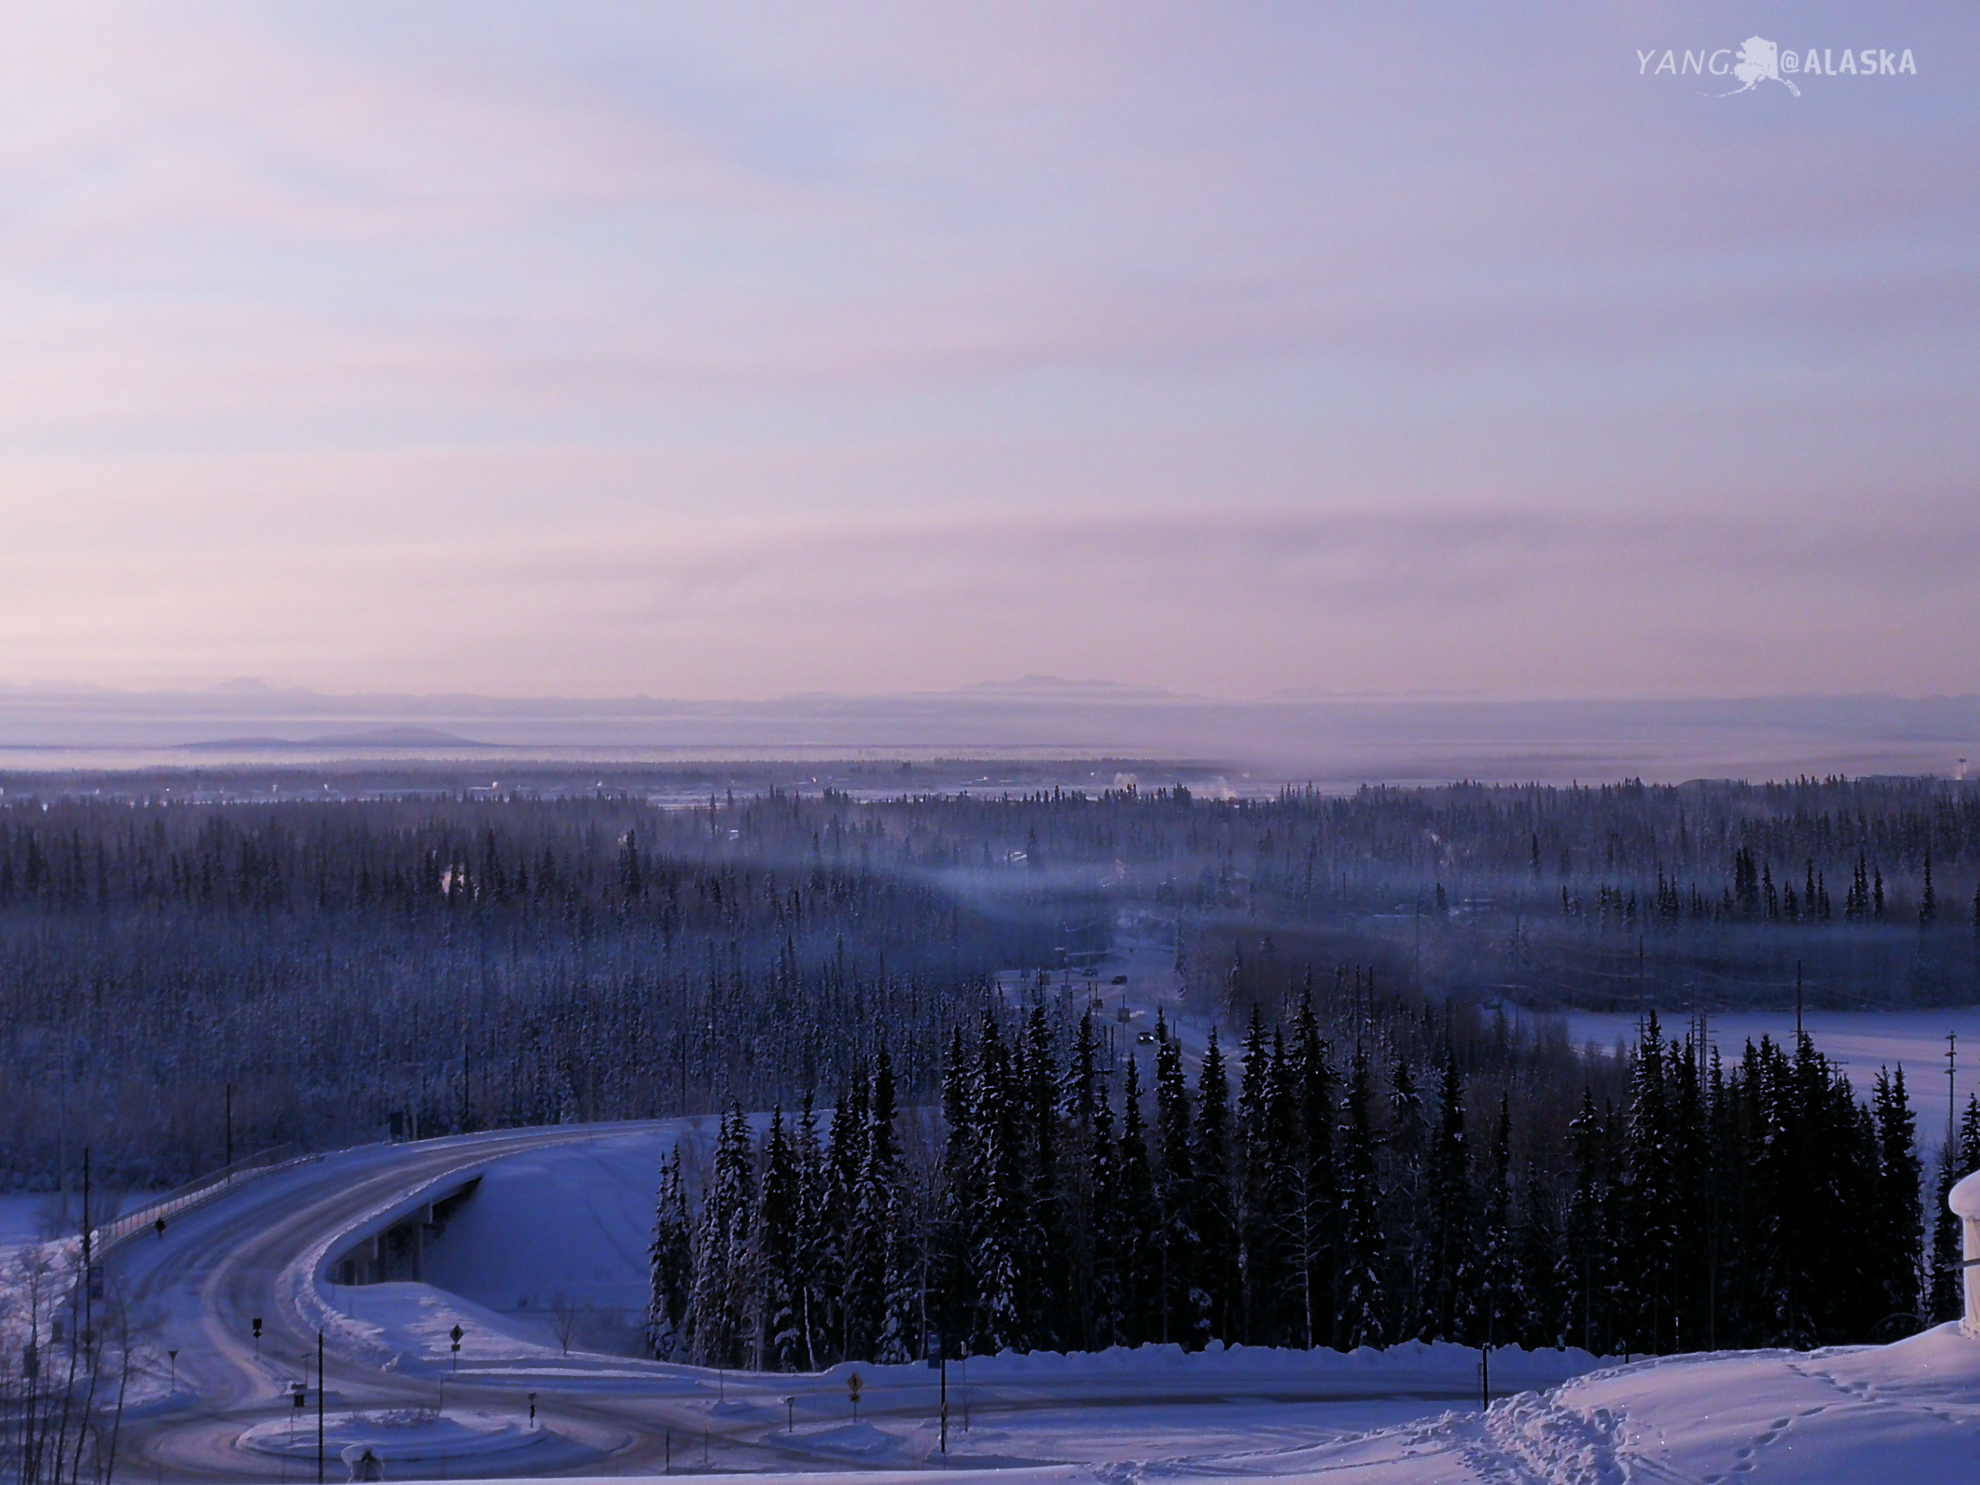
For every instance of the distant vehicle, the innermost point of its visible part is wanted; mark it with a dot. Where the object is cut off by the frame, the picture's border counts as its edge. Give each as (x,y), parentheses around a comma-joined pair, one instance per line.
(1120,979)
(1146,1038)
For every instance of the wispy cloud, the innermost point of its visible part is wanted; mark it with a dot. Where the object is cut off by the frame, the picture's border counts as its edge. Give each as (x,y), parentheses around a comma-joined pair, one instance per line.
(762,348)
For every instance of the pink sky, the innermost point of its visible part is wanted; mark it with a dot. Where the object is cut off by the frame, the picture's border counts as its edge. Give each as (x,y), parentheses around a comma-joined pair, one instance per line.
(526,350)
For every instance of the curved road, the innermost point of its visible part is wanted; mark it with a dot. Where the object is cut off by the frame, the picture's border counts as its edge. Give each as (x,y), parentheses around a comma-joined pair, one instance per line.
(253,1250)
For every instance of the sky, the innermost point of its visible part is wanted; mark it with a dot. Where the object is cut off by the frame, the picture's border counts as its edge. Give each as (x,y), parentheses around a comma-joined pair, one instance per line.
(736,351)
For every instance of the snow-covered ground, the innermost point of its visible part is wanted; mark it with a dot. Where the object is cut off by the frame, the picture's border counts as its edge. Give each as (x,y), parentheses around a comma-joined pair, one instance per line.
(1406,1415)
(556,1242)
(567,1212)
(1909,1412)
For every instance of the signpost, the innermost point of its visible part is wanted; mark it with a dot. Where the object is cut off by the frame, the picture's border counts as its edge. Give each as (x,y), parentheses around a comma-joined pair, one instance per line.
(854,1386)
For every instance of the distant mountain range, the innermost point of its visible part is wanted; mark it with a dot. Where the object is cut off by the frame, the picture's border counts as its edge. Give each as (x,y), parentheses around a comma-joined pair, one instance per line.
(376,737)
(1296,737)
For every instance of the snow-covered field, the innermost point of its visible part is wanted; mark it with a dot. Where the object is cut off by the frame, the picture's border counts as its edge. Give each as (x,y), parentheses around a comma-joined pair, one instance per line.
(1910,1411)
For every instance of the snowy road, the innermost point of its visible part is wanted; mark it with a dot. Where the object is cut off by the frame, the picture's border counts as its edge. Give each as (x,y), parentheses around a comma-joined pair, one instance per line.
(252,1253)
(257,1250)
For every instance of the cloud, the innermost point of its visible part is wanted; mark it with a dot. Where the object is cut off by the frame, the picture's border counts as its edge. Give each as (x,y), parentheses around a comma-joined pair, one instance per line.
(1509,603)
(762,348)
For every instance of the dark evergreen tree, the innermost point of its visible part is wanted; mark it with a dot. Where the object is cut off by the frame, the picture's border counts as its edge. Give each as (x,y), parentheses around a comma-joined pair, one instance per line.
(1360,1318)
(998,1218)
(1109,1289)
(777,1338)
(671,1259)
(1447,1224)
(1652,1223)
(1402,1173)
(1136,1257)
(723,1293)
(955,1274)
(1587,1265)
(1183,1316)
(1317,1190)
(1496,1299)
(1215,1209)
(1047,1273)
(1900,1222)
(813,1310)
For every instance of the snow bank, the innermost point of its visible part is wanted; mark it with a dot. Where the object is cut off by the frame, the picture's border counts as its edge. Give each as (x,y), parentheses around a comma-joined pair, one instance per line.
(401,1435)
(1439,1364)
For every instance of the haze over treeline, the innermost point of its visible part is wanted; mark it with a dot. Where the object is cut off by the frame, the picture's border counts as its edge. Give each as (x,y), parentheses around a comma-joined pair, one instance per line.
(510,960)
(1339,740)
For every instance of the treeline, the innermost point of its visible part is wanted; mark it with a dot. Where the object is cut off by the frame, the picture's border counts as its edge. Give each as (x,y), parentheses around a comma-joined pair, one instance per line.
(480,959)
(180,982)
(1414,1182)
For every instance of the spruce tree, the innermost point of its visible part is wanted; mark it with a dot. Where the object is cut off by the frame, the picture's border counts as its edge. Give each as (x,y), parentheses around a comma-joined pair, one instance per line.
(1652,1230)
(873,1203)
(1587,1261)
(1447,1190)
(1401,1164)
(777,1340)
(1181,1316)
(723,1302)
(1317,1187)
(1046,1269)
(1945,1295)
(955,1278)
(1690,1205)
(811,1245)
(997,1222)
(1136,1257)
(1901,1223)
(1215,1213)
(1074,1156)
(671,1259)
(1257,1241)
(1109,1290)
(1496,1300)
(1360,1319)
(839,1264)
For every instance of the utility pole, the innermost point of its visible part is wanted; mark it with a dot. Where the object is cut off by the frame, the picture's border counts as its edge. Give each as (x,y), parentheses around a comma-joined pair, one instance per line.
(88,1287)
(229,1121)
(319,1408)
(1797,1002)
(1952,1099)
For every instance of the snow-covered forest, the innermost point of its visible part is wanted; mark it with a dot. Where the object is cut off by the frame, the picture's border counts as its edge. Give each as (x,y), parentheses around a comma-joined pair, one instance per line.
(1369,1171)
(182,980)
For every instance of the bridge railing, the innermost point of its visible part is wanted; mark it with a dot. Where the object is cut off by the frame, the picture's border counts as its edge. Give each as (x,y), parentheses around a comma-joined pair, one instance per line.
(103,1238)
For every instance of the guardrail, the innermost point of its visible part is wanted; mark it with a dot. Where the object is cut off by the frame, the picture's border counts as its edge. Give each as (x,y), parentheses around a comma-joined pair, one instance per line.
(104,1238)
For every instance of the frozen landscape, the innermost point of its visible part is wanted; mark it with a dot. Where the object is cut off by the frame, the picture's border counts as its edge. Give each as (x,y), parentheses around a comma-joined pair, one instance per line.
(563,1213)
(1094,744)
